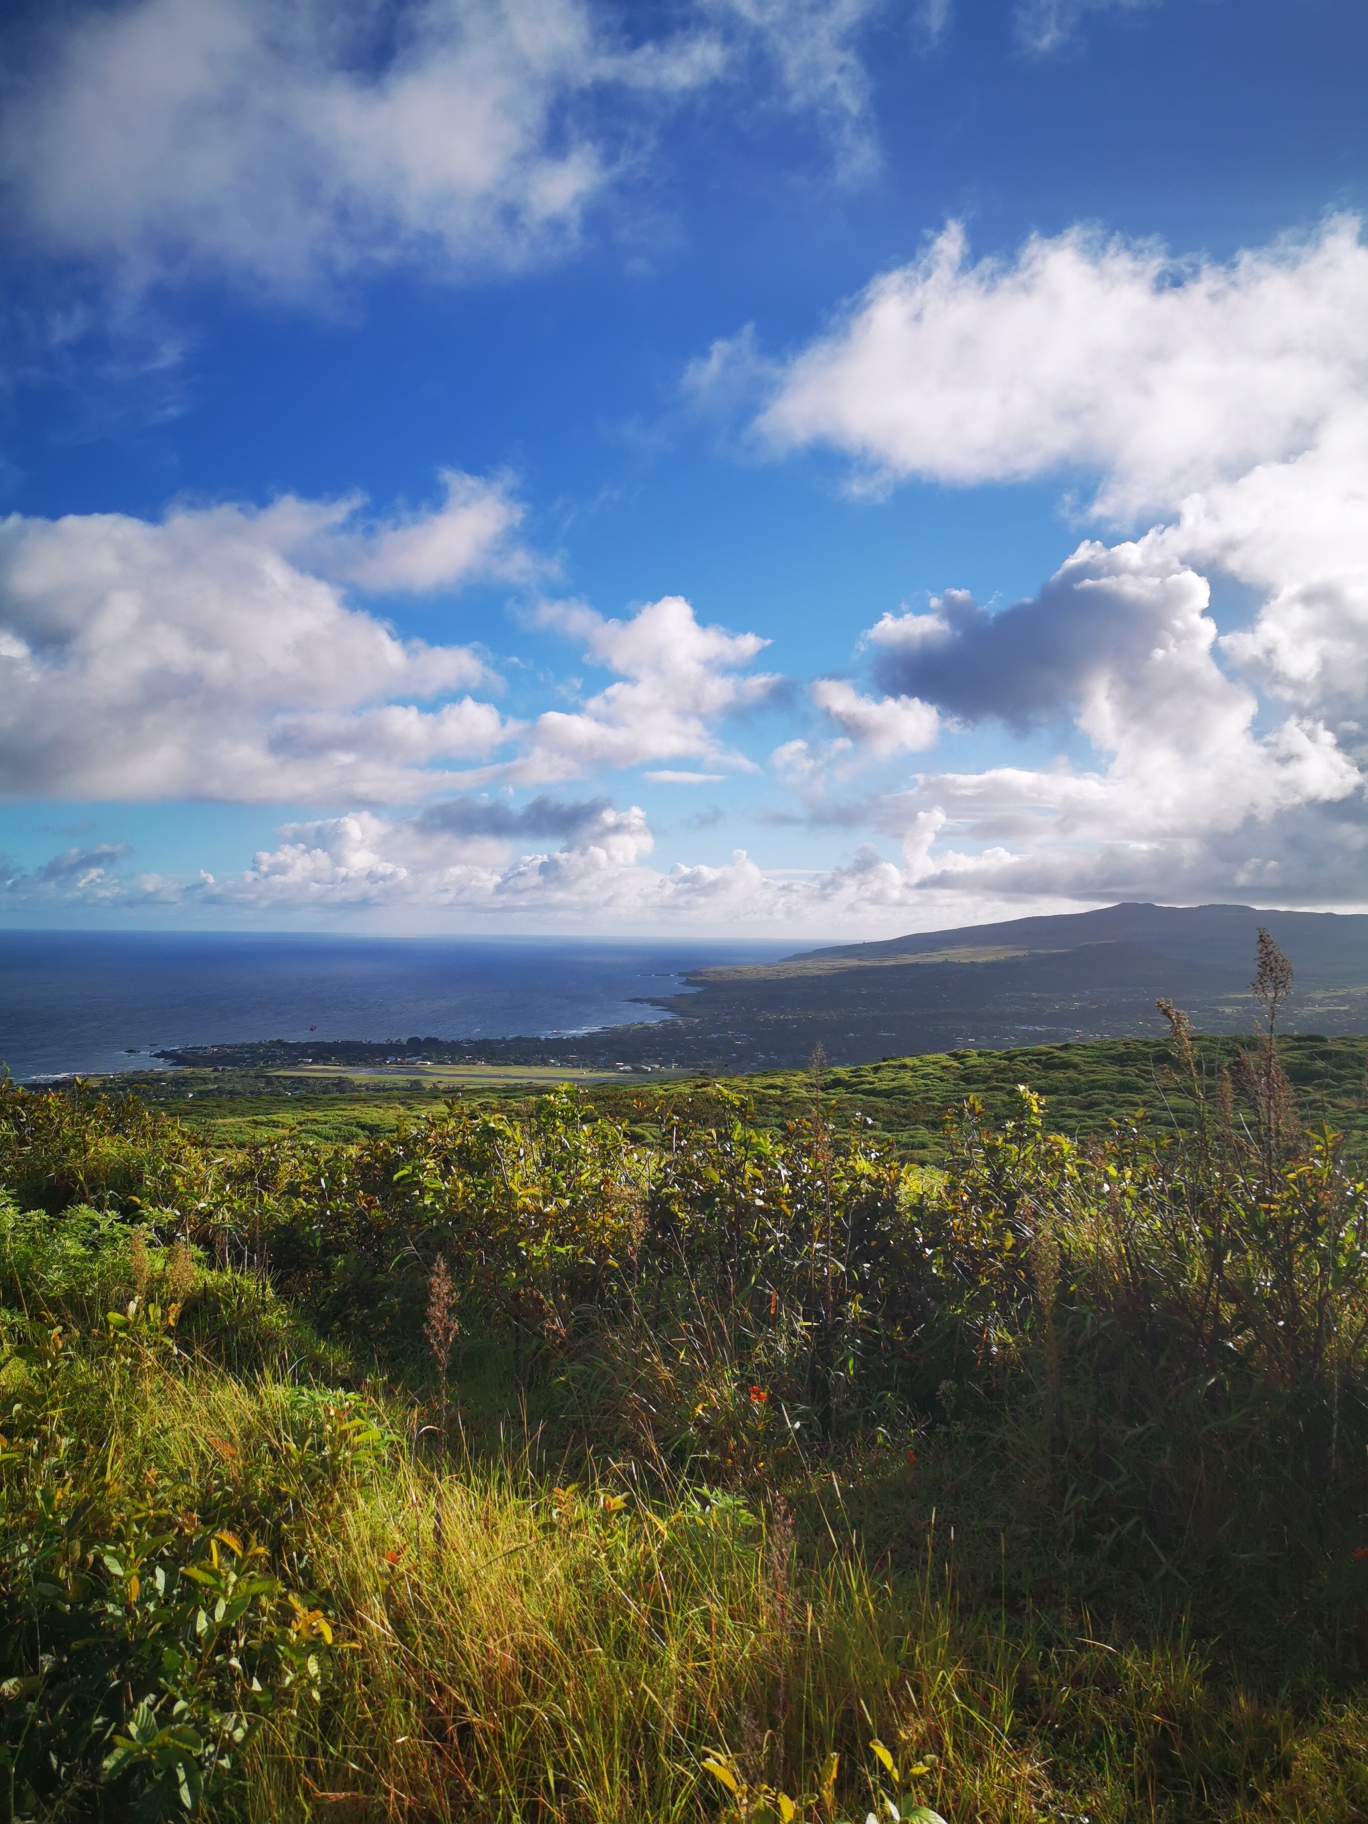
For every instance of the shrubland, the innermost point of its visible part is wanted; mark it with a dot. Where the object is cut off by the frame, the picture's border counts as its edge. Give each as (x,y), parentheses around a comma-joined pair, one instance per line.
(531,1462)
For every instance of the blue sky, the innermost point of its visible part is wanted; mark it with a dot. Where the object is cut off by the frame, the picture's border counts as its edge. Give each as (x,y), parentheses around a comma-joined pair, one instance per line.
(737,465)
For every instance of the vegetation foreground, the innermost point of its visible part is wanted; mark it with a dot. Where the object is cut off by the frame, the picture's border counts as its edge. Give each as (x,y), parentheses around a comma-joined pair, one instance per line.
(515,1464)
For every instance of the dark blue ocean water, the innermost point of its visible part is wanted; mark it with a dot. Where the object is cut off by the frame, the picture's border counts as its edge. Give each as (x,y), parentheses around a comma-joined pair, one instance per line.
(97,1001)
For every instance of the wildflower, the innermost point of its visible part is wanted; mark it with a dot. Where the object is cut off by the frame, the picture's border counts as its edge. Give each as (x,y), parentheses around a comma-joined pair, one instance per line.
(912,1457)
(758,1396)
(1361,1551)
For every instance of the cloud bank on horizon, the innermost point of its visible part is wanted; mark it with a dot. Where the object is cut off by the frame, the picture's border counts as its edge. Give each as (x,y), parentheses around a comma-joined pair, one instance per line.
(441,715)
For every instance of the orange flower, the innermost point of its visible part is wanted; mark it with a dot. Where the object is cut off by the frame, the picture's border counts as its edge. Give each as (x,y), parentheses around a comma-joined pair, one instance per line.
(1361,1551)
(912,1456)
(394,1557)
(758,1396)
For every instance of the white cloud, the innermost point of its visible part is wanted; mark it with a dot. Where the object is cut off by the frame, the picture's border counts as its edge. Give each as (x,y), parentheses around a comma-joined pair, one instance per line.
(432,867)
(214,655)
(264,140)
(877,728)
(1046,25)
(730,380)
(457,865)
(291,143)
(1187,776)
(677,679)
(363,859)
(1162,376)
(804,767)
(933,18)
(1229,401)
(886,726)
(468,536)
(907,632)
(1295,531)
(204,657)
(812,44)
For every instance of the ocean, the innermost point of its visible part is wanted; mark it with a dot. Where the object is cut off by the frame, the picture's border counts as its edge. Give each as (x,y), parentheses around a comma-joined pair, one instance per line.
(102,1001)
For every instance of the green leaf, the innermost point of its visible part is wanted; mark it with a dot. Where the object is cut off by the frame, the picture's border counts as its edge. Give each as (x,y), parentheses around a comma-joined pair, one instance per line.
(142,1725)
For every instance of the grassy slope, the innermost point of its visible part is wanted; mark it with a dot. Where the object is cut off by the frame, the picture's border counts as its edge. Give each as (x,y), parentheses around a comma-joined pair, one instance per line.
(1086,1086)
(509,1647)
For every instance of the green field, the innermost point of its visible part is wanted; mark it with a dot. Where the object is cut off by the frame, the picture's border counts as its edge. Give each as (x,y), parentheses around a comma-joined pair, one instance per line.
(1086,1086)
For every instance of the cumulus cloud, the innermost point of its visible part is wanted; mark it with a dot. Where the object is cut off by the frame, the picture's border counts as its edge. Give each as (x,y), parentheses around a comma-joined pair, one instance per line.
(210,655)
(1123,638)
(215,654)
(289,144)
(1308,855)
(900,724)
(80,869)
(465,863)
(454,861)
(1295,532)
(1163,376)
(871,728)
(799,764)
(443,857)
(1197,792)
(1227,402)
(468,816)
(285,142)
(89,876)
(677,678)
(469,535)
(1096,623)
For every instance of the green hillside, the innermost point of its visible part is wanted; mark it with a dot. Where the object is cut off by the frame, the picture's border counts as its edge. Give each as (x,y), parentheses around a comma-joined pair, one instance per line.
(1086,1086)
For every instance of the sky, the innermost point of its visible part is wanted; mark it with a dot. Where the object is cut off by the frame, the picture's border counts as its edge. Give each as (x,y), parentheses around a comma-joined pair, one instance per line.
(717,467)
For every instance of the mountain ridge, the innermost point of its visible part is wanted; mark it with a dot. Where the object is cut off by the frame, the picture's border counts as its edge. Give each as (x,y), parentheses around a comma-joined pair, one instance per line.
(1175,927)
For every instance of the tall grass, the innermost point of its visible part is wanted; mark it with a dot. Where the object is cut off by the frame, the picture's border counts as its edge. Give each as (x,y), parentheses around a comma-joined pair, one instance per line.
(574,1654)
